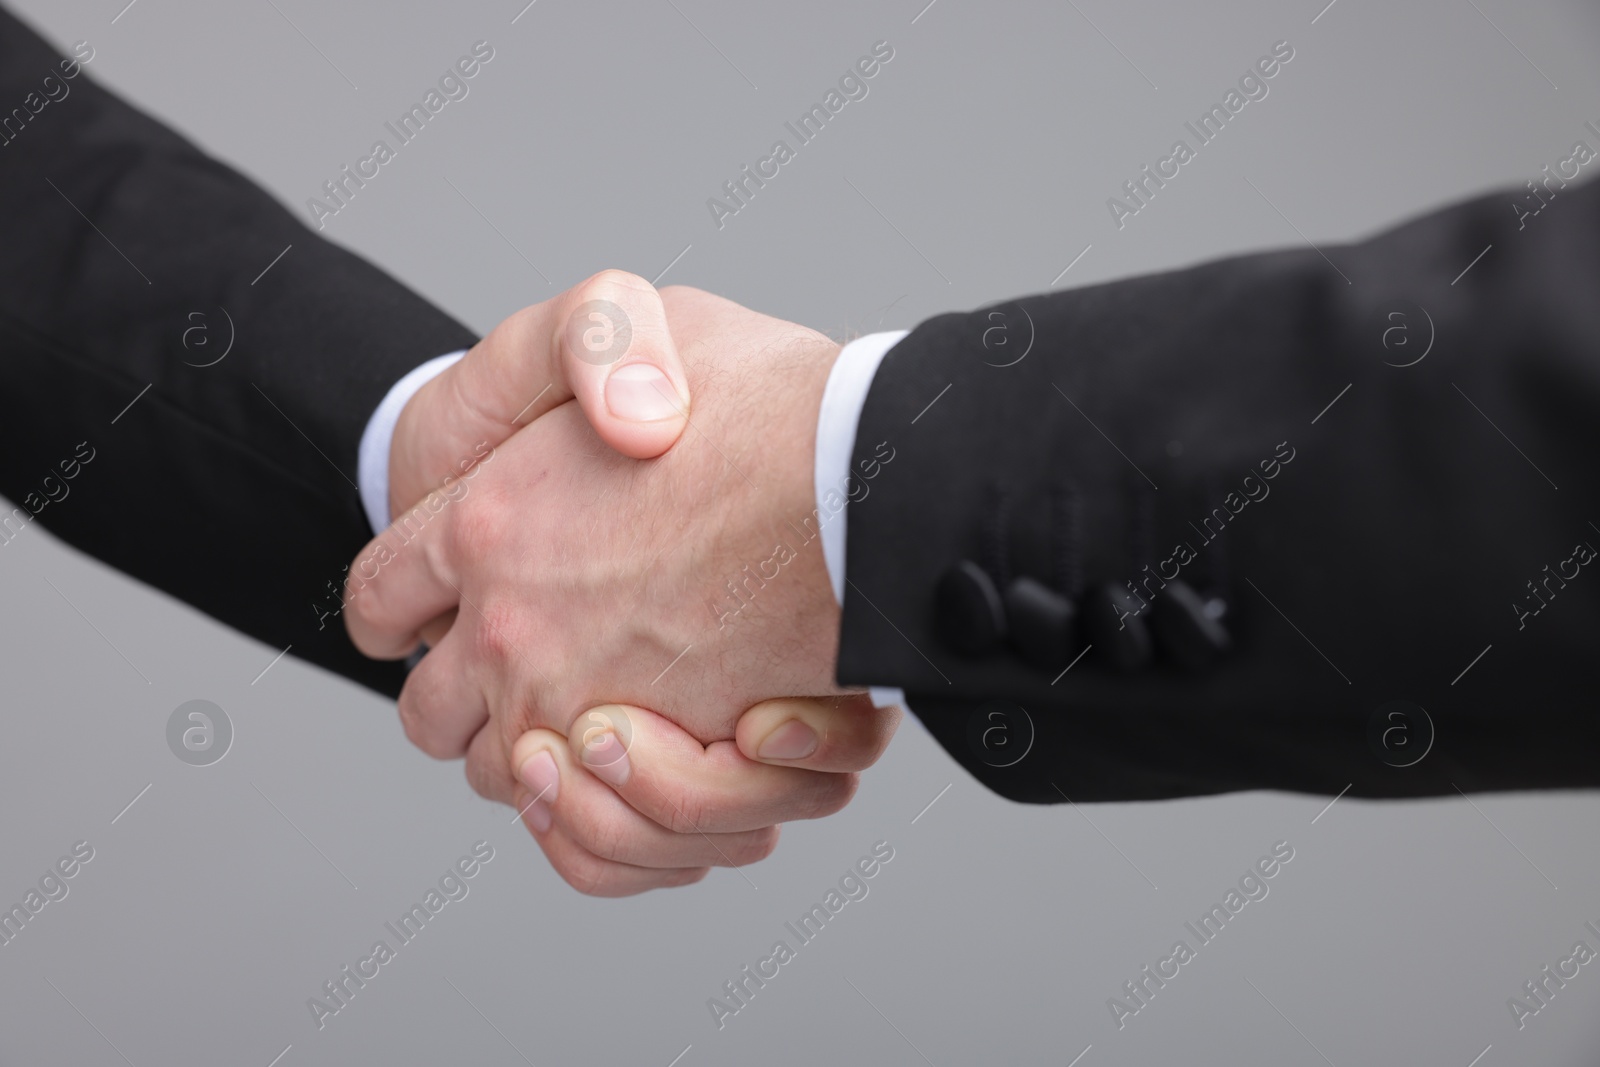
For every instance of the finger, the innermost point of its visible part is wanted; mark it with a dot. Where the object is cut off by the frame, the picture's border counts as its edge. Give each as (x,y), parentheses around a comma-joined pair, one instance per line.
(622,364)
(666,774)
(489,768)
(395,587)
(845,733)
(433,632)
(440,707)
(604,342)
(594,817)
(489,772)
(596,877)
(579,867)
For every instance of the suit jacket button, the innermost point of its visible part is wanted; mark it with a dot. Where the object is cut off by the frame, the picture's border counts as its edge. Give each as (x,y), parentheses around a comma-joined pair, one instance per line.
(1119,635)
(967,612)
(1042,623)
(1189,632)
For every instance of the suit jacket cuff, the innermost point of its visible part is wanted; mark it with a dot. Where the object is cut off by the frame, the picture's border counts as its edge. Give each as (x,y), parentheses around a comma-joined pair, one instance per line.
(842,400)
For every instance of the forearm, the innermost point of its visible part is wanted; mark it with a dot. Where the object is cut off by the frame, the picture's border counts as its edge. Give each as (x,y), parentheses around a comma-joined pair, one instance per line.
(1396,538)
(123,237)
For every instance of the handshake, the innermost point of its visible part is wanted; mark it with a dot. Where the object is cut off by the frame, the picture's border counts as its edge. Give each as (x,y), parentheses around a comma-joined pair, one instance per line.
(572,502)
(632,638)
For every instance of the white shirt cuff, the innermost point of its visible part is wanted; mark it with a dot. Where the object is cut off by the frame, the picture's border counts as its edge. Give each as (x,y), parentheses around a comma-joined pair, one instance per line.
(372,464)
(842,400)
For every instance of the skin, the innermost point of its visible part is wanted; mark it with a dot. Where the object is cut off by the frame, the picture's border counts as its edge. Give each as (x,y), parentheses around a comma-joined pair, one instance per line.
(567,571)
(527,366)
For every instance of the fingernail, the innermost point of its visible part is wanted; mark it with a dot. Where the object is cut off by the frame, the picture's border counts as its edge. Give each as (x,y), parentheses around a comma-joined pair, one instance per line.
(641,392)
(606,757)
(536,813)
(539,774)
(793,740)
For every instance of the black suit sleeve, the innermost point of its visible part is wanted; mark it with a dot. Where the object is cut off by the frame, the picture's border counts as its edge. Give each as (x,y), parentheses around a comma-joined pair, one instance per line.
(1239,454)
(230,486)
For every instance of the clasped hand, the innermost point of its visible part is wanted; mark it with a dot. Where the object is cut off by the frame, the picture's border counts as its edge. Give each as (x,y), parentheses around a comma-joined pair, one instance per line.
(568,522)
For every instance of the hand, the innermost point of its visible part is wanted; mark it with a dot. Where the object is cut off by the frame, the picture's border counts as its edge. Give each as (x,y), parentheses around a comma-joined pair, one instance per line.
(693,583)
(594,840)
(660,809)
(603,342)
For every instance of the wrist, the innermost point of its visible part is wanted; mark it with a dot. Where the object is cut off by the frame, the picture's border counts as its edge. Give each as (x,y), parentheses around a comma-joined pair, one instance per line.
(407,459)
(435,438)
(805,518)
(375,462)
(801,498)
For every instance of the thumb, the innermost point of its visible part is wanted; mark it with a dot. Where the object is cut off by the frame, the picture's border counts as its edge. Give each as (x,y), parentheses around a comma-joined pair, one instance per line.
(846,733)
(604,343)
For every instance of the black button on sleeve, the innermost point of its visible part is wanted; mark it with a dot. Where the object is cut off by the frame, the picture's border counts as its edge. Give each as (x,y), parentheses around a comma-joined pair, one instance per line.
(1120,637)
(1188,631)
(1042,624)
(968,614)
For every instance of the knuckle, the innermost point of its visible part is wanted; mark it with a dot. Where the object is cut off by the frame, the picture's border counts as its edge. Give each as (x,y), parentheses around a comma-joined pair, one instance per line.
(421,731)
(524,330)
(604,835)
(486,780)
(680,293)
(587,874)
(411,724)
(855,751)
(476,529)
(836,791)
(760,845)
(494,640)
(884,726)
(361,607)
(687,812)
(521,324)
(513,719)
(613,282)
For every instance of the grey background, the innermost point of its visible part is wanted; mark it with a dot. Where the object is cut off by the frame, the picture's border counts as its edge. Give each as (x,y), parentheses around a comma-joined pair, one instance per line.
(593,139)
